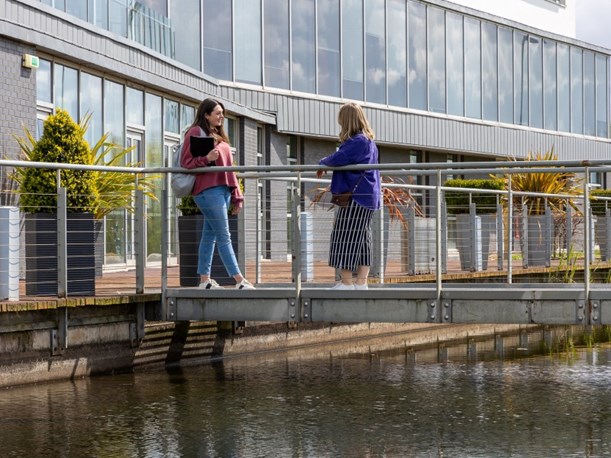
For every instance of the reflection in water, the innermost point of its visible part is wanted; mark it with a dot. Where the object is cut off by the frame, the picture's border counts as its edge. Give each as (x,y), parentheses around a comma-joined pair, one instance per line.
(354,406)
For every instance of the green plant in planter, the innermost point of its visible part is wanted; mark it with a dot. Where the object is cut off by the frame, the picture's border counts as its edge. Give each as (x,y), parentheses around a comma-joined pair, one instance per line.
(560,182)
(188,207)
(599,206)
(62,141)
(457,202)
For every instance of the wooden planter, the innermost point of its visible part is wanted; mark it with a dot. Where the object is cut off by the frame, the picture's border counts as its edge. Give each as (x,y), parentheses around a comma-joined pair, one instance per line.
(189,235)
(41,254)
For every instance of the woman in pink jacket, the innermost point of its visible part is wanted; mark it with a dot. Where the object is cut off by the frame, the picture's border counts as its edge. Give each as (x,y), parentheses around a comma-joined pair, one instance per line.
(214,193)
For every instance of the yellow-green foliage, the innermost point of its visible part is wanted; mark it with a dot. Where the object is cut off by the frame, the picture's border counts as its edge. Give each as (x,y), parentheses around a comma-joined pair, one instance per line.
(62,141)
(599,206)
(560,182)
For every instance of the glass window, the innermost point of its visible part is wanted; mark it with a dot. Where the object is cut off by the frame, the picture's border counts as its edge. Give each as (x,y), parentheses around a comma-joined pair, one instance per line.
(328,48)
(397,53)
(101,14)
(455,59)
(185,16)
(77,8)
(187,116)
(113,112)
(303,41)
(564,92)
(589,97)
(490,82)
(576,90)
(352,49)
(170,113)
(247,41)
(550,108)
(520,78)
(375,51)
(91,103)
(276,27)
(535,82)
(217,39)
(153,158)
(473,68)
(135,106)
(117,17)
(44,92)
(65,89)
(602,129)
(437,60)
(505,75)
(417,55)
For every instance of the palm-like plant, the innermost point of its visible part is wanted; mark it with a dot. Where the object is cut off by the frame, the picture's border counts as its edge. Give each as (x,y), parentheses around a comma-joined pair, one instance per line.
(556,182)
(115,189)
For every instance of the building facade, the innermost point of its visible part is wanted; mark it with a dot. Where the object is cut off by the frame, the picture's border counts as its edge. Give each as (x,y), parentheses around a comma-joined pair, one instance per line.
(440,81)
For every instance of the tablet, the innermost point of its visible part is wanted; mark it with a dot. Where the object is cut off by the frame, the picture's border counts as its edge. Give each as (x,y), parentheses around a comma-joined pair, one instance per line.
(200,146)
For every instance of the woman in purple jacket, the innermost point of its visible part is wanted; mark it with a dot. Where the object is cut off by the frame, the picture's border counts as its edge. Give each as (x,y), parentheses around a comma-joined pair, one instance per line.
(350,247)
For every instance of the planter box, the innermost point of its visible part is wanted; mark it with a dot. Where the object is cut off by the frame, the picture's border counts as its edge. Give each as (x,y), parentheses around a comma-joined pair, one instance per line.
(41,254)
(602,236)
(474,258)
(189,234)
(539,240)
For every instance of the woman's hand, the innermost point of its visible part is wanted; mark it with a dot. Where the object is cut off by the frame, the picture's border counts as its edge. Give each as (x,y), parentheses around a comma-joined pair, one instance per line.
(235,210)
(213,155)
(320,173)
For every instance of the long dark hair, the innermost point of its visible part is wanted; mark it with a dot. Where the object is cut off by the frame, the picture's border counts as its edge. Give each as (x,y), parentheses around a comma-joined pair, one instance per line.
(205,108)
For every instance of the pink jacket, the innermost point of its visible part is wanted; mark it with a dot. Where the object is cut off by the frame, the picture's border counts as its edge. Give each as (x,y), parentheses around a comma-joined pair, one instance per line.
(208,180)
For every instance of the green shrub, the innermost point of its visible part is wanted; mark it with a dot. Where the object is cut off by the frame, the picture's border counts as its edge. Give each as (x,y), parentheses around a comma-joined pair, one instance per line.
(599,206)
(62,141)
(457,202)
(188,207)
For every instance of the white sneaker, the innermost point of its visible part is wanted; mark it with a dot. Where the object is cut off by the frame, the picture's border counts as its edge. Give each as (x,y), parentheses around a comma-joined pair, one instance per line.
(363,286)
(343,286)
(210,284)
(244,284)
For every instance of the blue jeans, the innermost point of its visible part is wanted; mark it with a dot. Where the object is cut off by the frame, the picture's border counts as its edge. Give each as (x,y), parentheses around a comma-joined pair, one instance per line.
(214,204)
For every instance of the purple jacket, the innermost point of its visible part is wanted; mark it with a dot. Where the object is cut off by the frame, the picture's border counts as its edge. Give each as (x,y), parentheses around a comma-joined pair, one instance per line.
(358,149)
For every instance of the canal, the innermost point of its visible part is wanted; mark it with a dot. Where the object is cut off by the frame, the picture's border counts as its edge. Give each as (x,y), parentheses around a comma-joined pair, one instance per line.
(373,405)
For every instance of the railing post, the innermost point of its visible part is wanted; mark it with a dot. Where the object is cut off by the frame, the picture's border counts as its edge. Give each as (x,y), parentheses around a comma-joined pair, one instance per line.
(62,243)
(587,258)
(165,236)
(438,264)
(258,233)
(295,307)
(509,231)
(139,240)
(524,237)
(499,236)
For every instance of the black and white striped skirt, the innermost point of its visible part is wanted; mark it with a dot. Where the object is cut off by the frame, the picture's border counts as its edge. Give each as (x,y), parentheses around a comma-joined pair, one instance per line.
(351,237)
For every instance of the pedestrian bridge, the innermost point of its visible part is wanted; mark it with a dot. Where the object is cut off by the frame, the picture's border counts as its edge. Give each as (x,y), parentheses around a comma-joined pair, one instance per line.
(482,256)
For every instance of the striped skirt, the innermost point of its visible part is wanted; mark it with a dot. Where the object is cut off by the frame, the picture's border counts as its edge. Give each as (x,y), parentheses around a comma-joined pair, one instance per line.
(351,237)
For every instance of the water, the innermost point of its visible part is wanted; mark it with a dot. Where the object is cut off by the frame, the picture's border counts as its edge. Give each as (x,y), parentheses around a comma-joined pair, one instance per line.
(357,406)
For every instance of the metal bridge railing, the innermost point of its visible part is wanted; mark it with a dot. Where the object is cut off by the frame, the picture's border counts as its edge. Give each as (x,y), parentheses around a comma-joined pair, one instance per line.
(282,235)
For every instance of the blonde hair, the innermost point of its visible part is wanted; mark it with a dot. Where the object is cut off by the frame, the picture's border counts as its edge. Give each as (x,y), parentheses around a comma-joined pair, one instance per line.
(352,120)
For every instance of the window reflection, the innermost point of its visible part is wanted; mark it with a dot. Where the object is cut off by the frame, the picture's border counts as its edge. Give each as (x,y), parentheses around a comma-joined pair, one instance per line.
(247,41)
(185,16)
(455,59)
(550,109)
(276,27)
(328,48)
(303,27)
(170,113)
(505,61)
(536,81)
(602,77)
(217,39)
(397,53)
(520,78)
(437,59)
(352,52)
(375,51)
(576,91)
(65,89)
(473,71)
(134,108)
(589,98)
(564,101)
(417,56)
(114,120)
(43,81)
(91,103)
(489,72)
